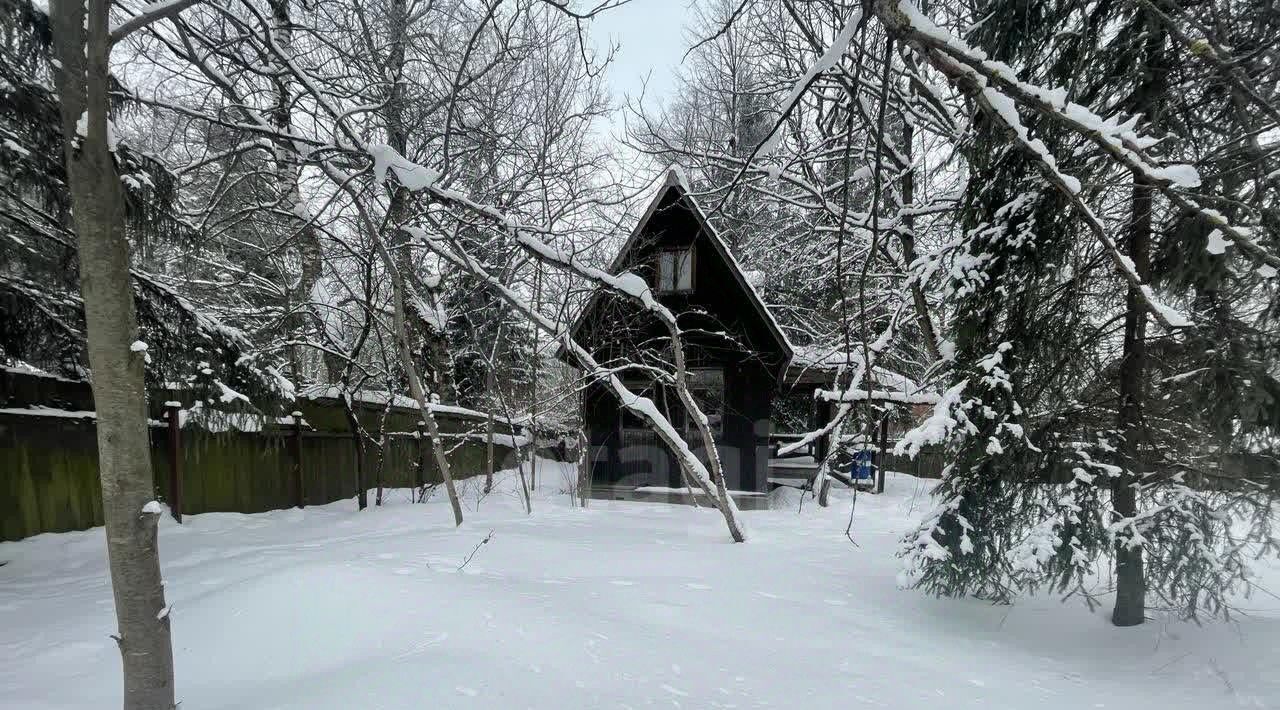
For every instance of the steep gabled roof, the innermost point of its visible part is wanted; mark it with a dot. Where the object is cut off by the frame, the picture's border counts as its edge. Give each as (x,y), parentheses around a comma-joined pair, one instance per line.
(675,180)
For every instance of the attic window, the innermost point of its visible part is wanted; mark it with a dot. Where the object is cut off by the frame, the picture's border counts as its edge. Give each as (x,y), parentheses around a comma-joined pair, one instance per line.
(675,270)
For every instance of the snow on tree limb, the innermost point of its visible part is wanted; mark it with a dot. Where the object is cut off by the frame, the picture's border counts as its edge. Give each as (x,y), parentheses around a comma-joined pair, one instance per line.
(955,58)
(641,406)
(978,76)
(824,63)
(149,13)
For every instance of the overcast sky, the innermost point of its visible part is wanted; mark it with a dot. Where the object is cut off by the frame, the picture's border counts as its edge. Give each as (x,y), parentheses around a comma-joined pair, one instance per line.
(650,32)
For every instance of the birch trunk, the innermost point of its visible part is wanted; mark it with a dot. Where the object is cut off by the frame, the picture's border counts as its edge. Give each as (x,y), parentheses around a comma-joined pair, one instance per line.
(533,400)
(405,352)
(415,385)
(82,46)
(907,238)
(287,168)
(488,474)
(357,441)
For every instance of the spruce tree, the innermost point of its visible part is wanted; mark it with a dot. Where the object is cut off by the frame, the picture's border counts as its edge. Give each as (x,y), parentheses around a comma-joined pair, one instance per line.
(1082,435)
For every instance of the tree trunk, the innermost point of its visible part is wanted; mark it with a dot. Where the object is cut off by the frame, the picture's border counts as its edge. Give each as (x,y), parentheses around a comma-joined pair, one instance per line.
(428,344)
(415,386)
(434,358)
(399,293)
(380,466)
(1131,586)
(488,475)
(584,469)
(124,453)
(907,237)
(309,251)
(533,399)
(881,451)
(1130,609)
(357,440)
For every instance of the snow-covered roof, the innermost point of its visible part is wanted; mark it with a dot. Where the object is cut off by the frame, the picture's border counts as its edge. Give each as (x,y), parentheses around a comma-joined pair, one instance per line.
(816,364)
(823,357)
(379,398)
(675,179)
(885,386)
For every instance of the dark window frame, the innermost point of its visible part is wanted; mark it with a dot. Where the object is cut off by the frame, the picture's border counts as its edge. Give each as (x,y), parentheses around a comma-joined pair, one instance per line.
(659,285)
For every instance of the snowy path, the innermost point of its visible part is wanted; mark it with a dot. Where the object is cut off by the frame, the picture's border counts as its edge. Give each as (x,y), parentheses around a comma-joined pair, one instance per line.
(623,605)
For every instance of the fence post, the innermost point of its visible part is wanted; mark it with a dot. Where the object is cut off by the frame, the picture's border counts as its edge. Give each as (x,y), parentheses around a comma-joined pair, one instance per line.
(881,454)
(584,469)
(175,459)
(295,441)
(823,412)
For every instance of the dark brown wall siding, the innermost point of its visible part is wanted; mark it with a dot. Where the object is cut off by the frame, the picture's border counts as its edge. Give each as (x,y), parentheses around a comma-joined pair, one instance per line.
(614,330)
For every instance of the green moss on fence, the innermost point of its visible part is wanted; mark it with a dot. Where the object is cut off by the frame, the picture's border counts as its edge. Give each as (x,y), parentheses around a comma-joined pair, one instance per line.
(48,475)
(49,465)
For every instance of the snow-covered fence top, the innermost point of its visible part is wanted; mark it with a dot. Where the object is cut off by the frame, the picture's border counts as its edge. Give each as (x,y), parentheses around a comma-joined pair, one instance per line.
(227,461)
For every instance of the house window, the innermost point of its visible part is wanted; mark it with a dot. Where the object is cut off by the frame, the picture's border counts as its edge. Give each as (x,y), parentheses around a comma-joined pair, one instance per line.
(706,384)
(675,270)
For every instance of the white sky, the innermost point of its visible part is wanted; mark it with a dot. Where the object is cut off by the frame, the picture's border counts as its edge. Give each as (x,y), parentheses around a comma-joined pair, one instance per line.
(651,35)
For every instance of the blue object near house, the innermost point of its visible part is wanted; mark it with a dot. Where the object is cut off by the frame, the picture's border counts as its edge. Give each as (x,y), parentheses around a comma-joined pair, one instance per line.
(863,469)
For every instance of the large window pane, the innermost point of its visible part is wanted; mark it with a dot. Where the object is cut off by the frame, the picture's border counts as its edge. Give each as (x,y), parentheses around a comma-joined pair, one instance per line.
(666,271)
(675,270)
(684,270)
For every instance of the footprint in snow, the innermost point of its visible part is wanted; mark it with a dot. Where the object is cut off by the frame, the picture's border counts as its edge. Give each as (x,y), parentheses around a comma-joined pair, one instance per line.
(424,645)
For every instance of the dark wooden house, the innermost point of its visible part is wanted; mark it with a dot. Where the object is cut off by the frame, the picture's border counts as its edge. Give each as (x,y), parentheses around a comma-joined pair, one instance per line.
(735,349)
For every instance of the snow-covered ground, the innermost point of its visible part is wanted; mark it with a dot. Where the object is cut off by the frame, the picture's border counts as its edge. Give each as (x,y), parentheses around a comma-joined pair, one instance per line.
(621,605)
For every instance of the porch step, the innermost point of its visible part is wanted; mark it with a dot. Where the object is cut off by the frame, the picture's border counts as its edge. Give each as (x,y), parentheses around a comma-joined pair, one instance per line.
(746,500)
(792,472)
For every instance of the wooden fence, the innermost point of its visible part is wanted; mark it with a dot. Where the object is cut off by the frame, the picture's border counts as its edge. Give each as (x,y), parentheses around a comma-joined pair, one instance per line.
(926,464)
(49,455)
